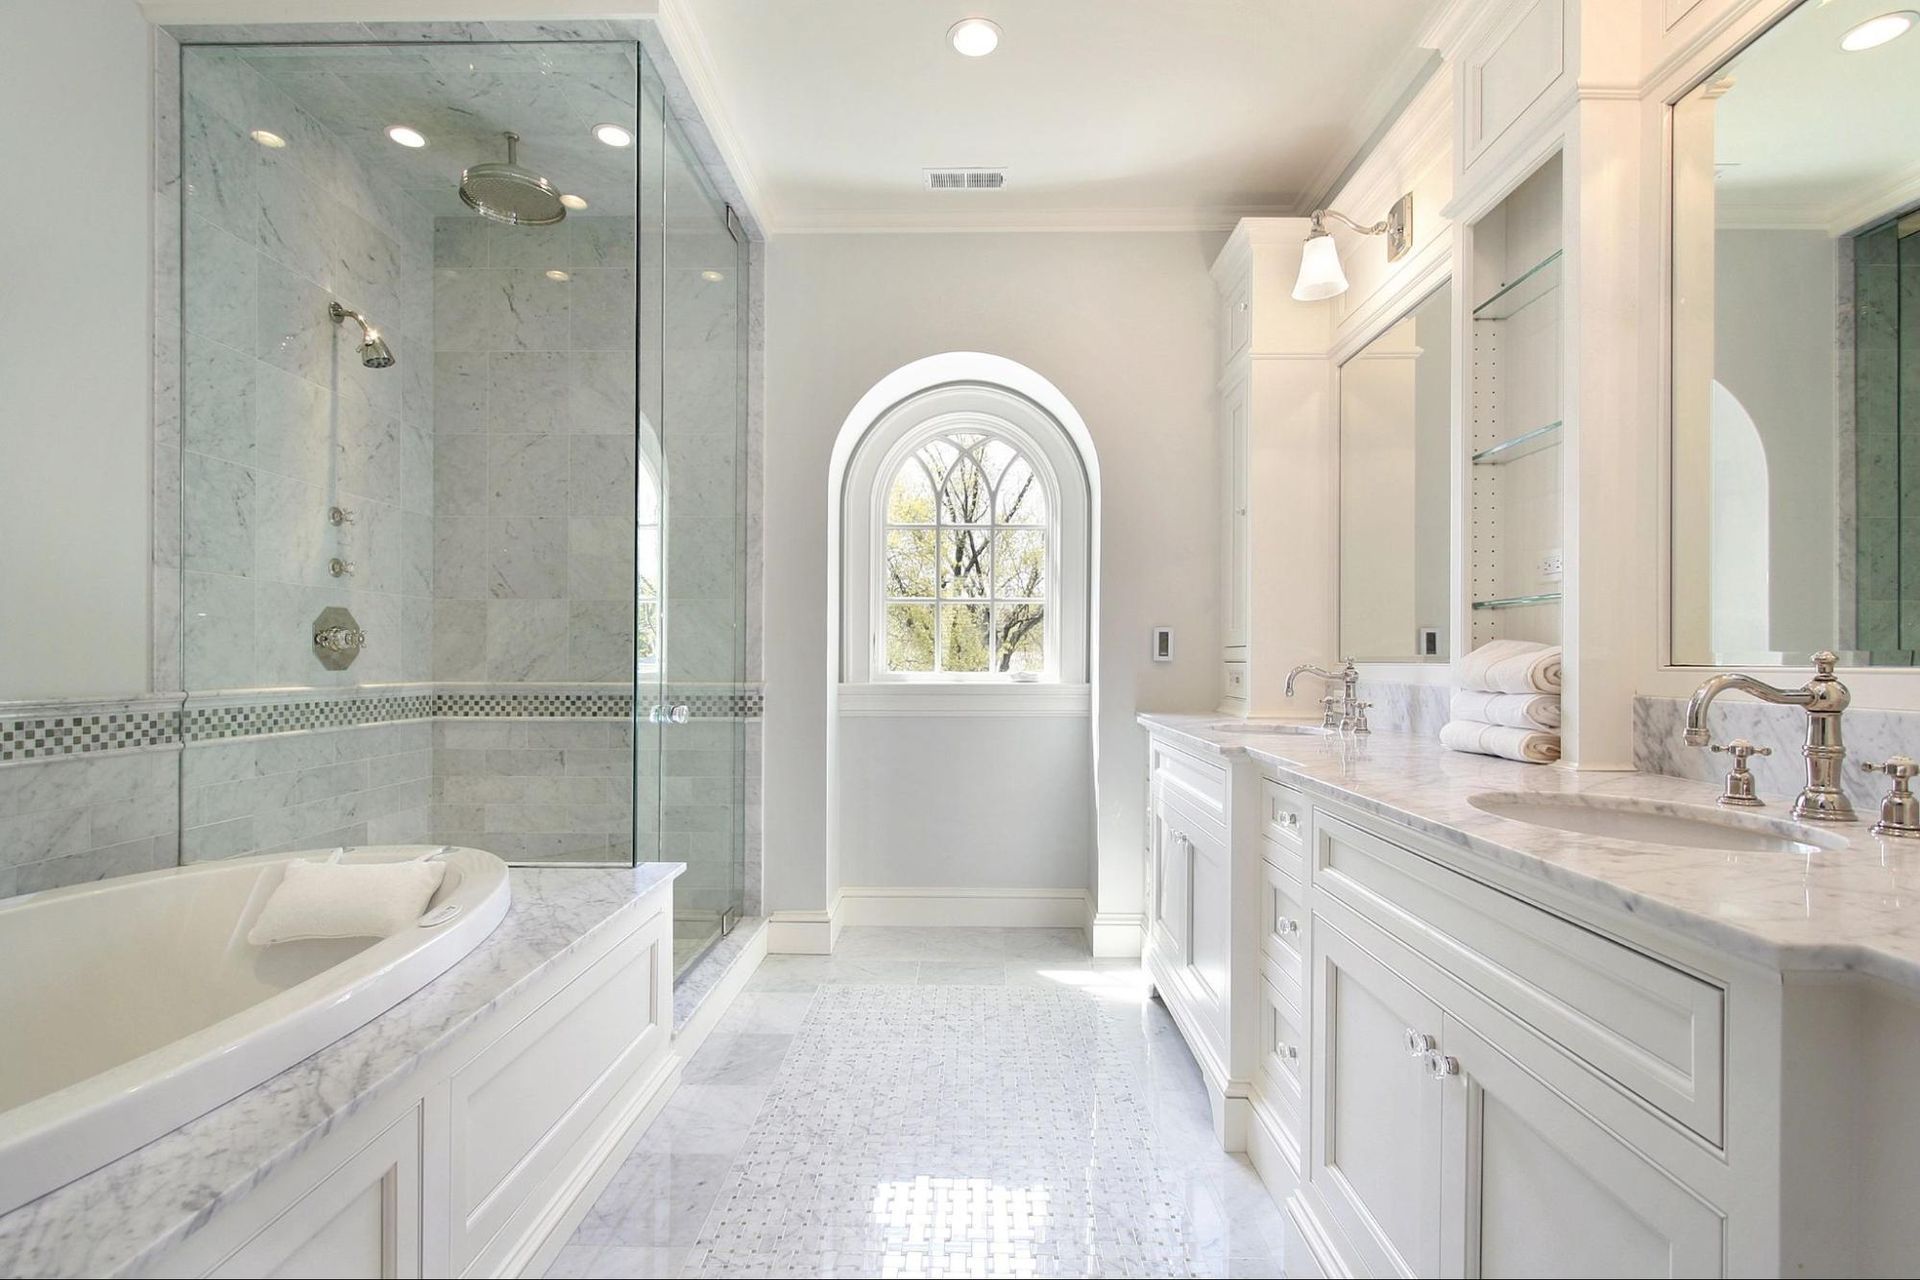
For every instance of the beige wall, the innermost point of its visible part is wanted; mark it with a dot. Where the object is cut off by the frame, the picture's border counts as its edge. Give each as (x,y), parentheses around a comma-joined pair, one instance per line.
(75,332)
(1122,324)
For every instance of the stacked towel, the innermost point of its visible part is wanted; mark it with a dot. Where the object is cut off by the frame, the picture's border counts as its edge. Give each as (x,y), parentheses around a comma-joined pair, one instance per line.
(1507,702)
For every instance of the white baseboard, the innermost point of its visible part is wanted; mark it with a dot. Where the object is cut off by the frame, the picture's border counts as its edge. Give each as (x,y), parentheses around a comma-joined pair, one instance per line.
(963,908)
(1114,935)
(800,933)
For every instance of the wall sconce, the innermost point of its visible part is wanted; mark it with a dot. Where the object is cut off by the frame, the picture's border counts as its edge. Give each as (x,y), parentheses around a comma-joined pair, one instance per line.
(1320,273)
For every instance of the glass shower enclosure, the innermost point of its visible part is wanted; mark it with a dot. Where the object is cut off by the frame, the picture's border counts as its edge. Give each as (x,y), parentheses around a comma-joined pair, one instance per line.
(462,462)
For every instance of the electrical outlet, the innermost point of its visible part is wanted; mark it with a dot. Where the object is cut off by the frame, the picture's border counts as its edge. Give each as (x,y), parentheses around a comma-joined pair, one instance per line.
(1551,565)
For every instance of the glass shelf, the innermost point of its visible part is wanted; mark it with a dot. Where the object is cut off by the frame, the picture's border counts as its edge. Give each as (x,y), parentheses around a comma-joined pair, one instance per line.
(1518,602)
(1535,283)
(1520,446)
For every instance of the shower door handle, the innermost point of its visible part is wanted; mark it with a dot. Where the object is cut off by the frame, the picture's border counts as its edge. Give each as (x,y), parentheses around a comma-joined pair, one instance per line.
(661,713)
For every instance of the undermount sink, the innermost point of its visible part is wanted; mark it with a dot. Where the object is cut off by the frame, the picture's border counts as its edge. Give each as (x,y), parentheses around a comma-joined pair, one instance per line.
(1242,726)
(1653,822)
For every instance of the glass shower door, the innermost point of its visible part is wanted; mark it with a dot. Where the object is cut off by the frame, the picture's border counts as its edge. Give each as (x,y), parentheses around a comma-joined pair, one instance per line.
(703,417)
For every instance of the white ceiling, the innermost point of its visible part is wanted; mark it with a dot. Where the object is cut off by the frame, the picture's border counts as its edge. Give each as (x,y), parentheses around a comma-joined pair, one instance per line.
(1806,134)
(1104,112)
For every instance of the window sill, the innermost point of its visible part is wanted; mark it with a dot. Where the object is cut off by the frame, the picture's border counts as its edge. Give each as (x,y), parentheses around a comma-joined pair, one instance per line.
(912,698)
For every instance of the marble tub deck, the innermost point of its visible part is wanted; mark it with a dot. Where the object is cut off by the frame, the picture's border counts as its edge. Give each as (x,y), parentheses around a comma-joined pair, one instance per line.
(123,1217)
(1842,909)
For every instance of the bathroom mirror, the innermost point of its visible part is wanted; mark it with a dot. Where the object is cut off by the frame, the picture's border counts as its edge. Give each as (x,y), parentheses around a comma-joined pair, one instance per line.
(1795,365)
(1396,399)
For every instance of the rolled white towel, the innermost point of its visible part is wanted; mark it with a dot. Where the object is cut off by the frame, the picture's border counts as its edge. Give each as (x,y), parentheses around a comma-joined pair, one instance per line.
(1530,746)
(1510,666)
(1521,710)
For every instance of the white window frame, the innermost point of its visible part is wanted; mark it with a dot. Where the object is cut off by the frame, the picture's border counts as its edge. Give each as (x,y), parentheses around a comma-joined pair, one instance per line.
(1046,446)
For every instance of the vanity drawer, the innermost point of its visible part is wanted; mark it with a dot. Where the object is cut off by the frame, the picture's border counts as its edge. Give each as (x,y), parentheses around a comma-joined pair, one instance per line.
(1197,782)
(1283,929)
(1283,815)
(1654,1030)
(1283,1056)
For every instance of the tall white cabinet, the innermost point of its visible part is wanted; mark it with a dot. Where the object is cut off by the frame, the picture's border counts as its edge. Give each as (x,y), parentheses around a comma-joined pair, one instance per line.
(1278,472)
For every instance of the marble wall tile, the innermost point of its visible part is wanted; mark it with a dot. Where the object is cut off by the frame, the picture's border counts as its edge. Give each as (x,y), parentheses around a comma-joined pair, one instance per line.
(526,639)
(600,392)
(603,313)
(459,640)
(307,790)
(527,557)
(70,820)
(527,392)
(528,475)
(220,273)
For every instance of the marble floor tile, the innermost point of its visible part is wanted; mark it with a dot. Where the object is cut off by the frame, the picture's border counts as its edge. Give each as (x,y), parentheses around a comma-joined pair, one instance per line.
(963,973)
(850,1116)
(734,1059)
(765,1012)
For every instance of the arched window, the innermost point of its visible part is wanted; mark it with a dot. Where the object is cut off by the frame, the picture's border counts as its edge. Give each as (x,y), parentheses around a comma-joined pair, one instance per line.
(966,544)
(966,558)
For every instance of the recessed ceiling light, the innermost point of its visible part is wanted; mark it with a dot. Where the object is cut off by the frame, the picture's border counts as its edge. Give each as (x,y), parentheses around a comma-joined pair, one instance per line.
(712,277)
(406,137)
(573,202)
(1875,32)
(268,138)
(974,37)
(613,135)
(557,274)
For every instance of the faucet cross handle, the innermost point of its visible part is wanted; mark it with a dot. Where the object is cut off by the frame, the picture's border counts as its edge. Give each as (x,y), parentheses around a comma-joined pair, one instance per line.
(1900,809)
(1739,792)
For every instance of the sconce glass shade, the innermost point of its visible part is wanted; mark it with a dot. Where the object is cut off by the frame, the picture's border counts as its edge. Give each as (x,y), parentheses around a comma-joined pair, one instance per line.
(1320,274)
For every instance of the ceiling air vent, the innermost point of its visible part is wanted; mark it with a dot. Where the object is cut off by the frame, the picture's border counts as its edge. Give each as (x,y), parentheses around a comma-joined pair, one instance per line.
(965,179)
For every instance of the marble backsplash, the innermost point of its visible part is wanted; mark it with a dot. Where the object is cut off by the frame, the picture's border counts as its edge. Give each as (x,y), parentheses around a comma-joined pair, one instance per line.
(1419,709)
(1871,736)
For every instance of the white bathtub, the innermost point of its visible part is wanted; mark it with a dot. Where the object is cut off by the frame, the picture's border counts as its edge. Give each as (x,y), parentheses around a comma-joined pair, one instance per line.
(130,1006)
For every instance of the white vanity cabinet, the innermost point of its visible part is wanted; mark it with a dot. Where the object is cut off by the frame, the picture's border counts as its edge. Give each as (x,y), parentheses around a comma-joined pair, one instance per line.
(1444,1072)
(1201,946)
(1278,467)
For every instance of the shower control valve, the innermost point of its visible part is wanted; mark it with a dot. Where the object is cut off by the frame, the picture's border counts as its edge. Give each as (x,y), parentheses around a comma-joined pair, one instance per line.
(340,568)
(338,516)
(337,638)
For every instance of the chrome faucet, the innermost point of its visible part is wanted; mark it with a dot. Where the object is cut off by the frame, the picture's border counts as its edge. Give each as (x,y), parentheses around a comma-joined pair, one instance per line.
(1824,698)
(1351,713)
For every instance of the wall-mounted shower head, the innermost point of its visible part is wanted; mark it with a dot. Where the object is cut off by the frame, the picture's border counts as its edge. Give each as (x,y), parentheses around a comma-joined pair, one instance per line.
(374,351)
(508,193)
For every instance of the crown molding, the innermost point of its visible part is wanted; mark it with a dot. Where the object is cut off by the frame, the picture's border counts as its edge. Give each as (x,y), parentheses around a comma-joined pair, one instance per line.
(165,13)
(680,30)
(1371,116)
(950,222)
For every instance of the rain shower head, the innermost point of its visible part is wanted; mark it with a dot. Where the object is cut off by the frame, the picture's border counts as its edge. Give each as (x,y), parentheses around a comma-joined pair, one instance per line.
(374,351)
(508,193)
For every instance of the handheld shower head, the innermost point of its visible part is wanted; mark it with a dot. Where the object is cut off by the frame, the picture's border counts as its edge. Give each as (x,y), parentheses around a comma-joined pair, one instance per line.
(374,351)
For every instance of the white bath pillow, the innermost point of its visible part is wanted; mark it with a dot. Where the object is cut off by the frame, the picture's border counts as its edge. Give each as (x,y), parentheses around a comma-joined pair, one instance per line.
(346,900)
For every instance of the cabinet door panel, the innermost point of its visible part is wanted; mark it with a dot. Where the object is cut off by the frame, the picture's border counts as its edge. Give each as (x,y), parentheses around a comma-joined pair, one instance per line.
(1378,1113)
(1210,921)
(1233,506)
(1547,1191)
(361,1220)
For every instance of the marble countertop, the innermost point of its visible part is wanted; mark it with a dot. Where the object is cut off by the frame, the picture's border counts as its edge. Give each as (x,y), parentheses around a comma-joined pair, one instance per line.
(122,1217)
(1855,908)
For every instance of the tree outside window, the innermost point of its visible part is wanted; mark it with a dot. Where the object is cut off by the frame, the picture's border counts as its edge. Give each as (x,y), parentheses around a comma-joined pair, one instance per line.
(965,560)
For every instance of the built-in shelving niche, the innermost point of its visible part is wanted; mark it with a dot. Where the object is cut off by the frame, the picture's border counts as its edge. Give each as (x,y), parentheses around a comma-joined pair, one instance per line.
(1514,526)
